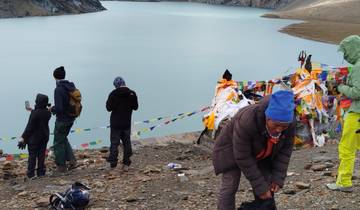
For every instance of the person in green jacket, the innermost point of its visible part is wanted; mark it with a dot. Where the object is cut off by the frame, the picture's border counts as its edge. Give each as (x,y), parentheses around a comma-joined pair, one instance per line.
(350,140)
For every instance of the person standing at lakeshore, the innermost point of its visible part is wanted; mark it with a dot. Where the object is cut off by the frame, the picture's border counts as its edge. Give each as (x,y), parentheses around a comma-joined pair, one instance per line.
(67,108)
(121,102)
(350,139)
(36,136)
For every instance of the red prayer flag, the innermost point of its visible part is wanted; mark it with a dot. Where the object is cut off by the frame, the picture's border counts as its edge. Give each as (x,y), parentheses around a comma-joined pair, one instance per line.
(9,157)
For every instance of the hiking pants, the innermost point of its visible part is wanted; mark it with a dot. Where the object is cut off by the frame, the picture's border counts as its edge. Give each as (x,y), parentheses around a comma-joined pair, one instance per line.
(36,154)
(229,186)
(348,146)
(115,136)
(62,148)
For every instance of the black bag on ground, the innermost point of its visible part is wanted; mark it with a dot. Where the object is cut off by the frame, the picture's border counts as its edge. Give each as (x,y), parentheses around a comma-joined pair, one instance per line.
(258,204)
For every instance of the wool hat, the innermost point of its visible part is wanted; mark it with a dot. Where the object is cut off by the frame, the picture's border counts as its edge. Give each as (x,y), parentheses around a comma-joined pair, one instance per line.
(118,82)
(281,107)
(227,75)
(59,73)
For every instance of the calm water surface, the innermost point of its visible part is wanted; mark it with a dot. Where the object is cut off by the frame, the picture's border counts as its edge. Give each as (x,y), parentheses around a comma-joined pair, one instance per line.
(171,54)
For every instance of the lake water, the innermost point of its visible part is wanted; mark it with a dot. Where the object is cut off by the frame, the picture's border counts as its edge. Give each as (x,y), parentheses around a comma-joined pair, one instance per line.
(171,54)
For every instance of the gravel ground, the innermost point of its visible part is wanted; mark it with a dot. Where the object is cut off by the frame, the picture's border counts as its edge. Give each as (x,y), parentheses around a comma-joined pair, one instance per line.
(151,185)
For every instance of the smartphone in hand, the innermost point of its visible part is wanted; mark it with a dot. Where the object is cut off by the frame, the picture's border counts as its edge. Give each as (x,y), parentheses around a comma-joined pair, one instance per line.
(27,106)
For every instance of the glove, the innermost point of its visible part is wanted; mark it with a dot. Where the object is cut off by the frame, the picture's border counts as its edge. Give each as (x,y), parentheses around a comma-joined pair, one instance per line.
(332,88)
(21,144)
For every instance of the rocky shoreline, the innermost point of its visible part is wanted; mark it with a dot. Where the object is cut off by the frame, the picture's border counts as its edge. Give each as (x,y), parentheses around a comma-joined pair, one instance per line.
(151,184)
(324,21)
(29,8)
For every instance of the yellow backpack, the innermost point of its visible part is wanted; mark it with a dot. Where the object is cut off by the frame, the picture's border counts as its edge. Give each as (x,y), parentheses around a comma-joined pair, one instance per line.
(75,105)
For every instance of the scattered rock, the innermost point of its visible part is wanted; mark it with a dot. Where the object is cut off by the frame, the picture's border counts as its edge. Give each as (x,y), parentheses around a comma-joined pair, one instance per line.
(131,198)
(329,164)
(289,192)
(42,202)
(183,157)
(318,167)
(63,182)
(308,166)
(302,185)
(327,173)
(335,207)
(319,159)
(23,193)
(290,173)
(19,188)
(151,169)
(98,184)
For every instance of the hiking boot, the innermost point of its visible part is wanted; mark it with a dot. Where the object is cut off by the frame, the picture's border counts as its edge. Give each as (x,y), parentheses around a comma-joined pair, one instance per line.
(335,187)
(125,168)
(28,179)
(113,165)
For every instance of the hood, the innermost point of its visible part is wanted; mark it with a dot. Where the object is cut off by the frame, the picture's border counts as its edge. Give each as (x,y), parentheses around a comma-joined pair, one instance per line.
(350,46)
(122,92)
(41,101)
(68,86)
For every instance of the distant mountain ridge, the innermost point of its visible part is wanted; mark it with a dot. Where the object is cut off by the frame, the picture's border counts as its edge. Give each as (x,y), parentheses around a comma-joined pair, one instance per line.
(268,4)
(24,8)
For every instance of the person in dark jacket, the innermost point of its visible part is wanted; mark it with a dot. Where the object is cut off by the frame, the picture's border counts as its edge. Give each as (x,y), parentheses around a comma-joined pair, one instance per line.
(257,142)
(121,103)
(64,121)
(36,136)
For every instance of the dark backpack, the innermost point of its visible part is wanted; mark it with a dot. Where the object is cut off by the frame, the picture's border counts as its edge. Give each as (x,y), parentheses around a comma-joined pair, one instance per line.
(75,105)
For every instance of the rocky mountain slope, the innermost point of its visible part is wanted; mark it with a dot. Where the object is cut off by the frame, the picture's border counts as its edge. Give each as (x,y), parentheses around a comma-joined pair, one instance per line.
(269,4)
(23,8)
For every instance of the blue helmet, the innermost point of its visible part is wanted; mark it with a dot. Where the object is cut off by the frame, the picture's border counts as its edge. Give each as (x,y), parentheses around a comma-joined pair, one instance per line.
(78,197)
(75,198)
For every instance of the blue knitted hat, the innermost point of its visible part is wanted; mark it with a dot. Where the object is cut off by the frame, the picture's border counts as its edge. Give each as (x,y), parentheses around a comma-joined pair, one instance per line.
(281,107)
(118,82)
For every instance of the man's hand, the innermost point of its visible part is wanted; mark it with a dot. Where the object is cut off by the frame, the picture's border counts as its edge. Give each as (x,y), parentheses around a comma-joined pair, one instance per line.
(21,144)
(265,195)
(52,109)
(274,187)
